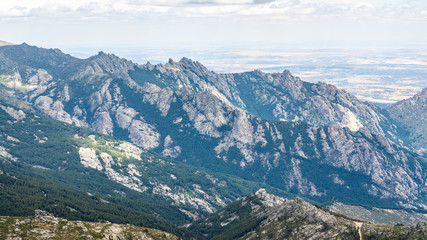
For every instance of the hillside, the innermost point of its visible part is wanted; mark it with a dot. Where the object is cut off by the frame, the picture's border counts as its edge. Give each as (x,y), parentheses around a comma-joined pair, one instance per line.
(21,196)
(265,216)
(345,152)
(34,147)
(412,115)
(378,215)
(46,226)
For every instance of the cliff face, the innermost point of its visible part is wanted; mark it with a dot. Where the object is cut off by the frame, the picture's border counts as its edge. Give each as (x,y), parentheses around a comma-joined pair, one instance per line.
(310,139)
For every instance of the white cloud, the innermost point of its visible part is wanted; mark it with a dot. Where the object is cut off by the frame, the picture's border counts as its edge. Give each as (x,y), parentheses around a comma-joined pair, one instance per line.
(352,9)
(205,23)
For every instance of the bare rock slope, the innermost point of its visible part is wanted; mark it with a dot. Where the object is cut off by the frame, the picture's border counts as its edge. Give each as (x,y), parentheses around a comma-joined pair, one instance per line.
(310,139)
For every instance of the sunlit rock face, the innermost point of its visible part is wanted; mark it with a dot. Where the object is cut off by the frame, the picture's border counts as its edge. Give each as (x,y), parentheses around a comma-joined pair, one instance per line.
(311,139)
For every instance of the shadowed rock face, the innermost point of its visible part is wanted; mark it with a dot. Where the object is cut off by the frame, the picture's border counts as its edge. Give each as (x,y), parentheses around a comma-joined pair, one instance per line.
(311,139)
(412,115)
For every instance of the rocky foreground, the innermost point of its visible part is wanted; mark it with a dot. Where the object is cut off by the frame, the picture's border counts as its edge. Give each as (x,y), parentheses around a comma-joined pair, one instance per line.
(46,226)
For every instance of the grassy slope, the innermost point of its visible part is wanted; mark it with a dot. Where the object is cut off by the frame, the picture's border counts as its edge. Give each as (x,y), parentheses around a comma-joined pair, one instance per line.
(35,228)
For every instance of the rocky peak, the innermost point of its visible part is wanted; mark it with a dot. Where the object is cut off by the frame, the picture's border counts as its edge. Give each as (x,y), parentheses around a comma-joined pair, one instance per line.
(287,72)
(107,57)
(421,98)
(28,58)
(194,66)
(287,75)
(417,100)
(185,60)
(110,63)
(297,208)
(267,199)
(45,216)
(52,52)
(102,54)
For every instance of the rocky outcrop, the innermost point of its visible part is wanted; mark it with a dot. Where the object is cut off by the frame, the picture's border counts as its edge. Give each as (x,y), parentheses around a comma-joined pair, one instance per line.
(46,216)
(89,158)
(17,115)
(45,226)
(4,153)
(122,162)
(144,134)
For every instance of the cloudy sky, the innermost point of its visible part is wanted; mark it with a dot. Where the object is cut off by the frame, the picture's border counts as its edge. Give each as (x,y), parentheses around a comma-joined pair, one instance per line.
(205,24)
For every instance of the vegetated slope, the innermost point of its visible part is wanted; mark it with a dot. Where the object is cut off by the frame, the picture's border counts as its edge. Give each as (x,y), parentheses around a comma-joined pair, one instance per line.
(40,147)
(21,196)
(183,111)
(378,215)
(265,216)
(45,226)
(412,115)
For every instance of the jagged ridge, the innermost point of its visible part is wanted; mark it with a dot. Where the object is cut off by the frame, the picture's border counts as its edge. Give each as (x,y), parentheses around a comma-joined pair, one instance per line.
(338,152)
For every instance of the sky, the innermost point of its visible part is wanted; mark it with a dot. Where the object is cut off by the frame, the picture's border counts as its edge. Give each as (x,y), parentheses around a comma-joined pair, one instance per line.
(214,24)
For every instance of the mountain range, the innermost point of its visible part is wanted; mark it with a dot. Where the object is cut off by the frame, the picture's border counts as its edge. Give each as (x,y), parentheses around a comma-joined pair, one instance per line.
(193,141)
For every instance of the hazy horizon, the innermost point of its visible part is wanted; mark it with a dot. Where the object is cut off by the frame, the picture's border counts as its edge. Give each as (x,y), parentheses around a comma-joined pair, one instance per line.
(378,75)
(375,49)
